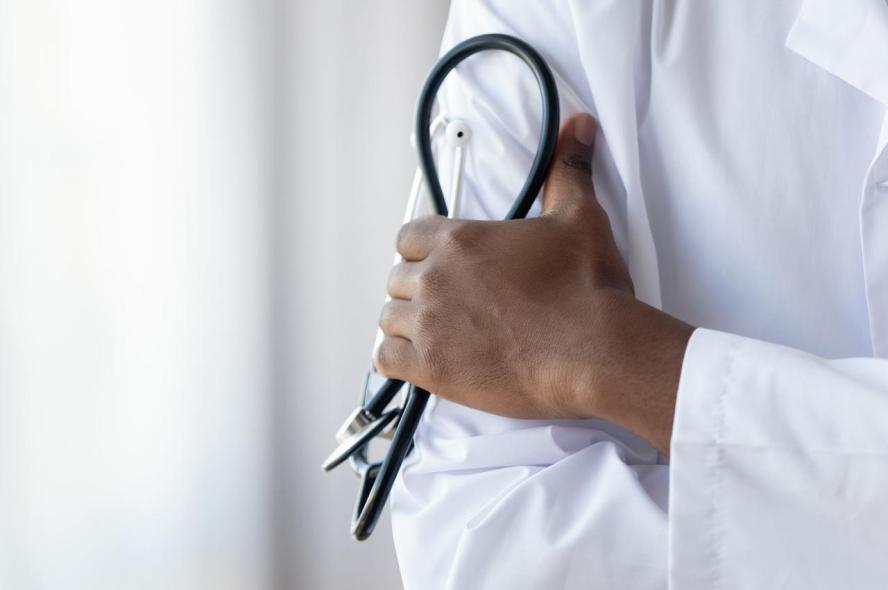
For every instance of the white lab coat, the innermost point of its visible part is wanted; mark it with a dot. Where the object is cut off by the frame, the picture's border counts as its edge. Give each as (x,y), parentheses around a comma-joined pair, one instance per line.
(743,164)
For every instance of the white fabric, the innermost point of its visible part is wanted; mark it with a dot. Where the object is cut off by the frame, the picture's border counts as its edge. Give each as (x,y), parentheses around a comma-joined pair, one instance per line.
(743,164)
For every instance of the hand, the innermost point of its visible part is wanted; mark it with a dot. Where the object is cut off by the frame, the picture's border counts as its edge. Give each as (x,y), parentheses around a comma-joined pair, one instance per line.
(533,318)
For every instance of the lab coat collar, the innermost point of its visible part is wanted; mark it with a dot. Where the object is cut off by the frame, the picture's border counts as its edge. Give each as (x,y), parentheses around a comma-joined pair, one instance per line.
(848,39)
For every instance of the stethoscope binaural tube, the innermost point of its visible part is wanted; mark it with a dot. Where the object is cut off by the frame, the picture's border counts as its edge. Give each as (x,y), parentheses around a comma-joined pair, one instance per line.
(549,99)
(369,419)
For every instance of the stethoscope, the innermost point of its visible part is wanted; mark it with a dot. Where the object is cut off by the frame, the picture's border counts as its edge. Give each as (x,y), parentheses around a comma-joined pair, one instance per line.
(373,418)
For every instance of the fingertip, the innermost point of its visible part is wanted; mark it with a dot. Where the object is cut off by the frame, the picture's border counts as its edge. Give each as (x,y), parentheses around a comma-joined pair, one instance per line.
(571,173)
(585,127)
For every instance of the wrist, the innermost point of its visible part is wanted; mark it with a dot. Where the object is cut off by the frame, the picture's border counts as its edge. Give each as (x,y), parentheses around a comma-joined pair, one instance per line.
(638,354)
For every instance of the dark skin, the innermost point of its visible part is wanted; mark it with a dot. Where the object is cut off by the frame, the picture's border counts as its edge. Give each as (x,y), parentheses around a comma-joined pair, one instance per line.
(534,318)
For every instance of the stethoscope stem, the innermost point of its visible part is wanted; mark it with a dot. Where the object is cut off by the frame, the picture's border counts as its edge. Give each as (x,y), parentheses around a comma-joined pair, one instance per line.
(383,397)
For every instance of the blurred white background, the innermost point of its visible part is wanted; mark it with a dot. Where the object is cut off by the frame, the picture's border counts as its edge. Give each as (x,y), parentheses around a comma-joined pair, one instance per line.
(197,206)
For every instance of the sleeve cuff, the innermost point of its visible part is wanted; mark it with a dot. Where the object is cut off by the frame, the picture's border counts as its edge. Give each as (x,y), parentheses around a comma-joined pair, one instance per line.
(777,467)
(696,460)
(705,373)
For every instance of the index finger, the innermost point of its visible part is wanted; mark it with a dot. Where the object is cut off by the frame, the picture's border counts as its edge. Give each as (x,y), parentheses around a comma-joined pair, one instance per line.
(417,238)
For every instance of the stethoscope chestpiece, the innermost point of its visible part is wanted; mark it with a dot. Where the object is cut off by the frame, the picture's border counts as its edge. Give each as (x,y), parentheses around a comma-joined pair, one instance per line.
(360,433)
(368,421)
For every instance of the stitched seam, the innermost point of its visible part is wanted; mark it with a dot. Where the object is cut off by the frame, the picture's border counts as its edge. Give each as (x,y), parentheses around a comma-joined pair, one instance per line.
(719,527)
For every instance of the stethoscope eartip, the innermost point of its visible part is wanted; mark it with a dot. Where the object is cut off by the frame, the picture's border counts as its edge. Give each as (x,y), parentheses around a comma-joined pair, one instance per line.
(458,133)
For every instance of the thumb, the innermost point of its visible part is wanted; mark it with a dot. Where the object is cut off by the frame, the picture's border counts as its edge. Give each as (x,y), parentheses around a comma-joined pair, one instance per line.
(569,182)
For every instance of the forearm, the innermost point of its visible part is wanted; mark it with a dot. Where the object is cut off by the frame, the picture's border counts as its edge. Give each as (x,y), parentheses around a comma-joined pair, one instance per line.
(636,386)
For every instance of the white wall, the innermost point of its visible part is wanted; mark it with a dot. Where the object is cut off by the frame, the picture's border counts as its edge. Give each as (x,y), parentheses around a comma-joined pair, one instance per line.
(352,75)
(134,349)
(197,206)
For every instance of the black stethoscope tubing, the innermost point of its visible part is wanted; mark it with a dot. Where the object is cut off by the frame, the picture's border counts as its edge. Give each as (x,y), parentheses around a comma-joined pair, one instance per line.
(379,478)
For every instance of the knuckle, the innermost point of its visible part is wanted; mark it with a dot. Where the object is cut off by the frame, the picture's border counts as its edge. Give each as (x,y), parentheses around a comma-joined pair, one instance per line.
(404,233)
(611,272)
(394,277)
(588,213)
(386,357)
(576,163)
(380,358)
(434,365)
(431,280)
(461,235)
(427,321)
(385,316)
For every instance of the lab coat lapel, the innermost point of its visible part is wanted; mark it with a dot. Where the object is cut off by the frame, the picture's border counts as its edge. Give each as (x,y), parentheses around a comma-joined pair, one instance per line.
(849,39)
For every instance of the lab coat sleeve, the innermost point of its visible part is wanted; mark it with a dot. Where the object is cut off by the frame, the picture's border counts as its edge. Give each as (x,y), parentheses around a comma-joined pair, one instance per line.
(779,475)
(491,502)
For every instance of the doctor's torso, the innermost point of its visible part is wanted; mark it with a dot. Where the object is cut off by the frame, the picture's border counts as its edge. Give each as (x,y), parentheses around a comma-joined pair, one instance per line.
(742,163)
(735,140)
(753,162)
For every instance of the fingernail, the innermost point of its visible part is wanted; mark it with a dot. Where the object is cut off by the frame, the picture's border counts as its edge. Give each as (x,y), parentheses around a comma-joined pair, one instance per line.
(584,129)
